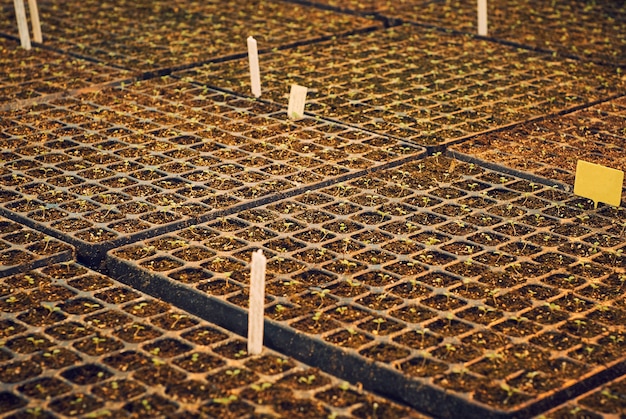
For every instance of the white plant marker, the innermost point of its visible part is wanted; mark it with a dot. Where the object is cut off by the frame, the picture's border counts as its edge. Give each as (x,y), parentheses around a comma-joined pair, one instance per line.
(34,17)
(297,99)
(482,17)
(257,302)
(255,74)
(22,24)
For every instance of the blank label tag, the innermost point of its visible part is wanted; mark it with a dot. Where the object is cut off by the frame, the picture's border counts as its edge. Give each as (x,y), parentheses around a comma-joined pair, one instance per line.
(255,74)
(482,17)
(598,183)
(297,99)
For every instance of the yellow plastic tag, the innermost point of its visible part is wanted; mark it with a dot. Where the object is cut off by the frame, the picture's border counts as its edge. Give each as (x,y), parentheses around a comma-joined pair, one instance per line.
(598,183)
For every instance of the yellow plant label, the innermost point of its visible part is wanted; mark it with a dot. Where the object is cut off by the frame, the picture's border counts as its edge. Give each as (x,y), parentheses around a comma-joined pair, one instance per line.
(598,183)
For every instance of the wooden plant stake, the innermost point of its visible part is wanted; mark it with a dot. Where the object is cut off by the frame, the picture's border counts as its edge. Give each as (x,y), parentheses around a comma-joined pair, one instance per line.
(297,100)
(255,74)
(598,183)
(482,17)
(257,302)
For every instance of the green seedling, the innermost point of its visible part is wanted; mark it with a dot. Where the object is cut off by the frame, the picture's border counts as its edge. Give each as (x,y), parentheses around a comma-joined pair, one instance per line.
(146,405)
(308,380)
(225,400)
(321,293)
(341,310)
(51,353)
(378,322)
(51,308)
(35,341)
(177,317)
(494,356)
(579,324)
(157,362)
(260,387)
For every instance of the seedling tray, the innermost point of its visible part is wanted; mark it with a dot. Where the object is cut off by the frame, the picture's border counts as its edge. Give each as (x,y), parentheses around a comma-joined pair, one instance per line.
(585,30)
(606,402)
(35,76)
(454,288)
(551,148)
(77,343)
(22,249)
(588,30)
(150,35)
(418,84)
(126,163)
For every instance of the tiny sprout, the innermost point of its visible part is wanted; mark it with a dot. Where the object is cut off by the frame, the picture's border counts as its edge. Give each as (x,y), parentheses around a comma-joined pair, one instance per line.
(225,400)
(609,395)
(378,322)
(260,387)
(307,380)
(344,385)
(157,362)
(341,310)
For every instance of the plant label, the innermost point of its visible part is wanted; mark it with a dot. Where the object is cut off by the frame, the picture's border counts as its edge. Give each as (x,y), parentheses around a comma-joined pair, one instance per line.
(482,17)
(257,302)
(598,183)
(297,99)
(255,74)
(22,24)
(34,17)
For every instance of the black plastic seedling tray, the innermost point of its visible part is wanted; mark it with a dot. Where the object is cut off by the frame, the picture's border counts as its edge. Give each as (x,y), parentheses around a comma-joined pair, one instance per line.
(418,84)
(103,169)
(160,35)
(609,401)
(33,76)
(77,343)
(587,30)
(22,249)
(449,286)
(552,147)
